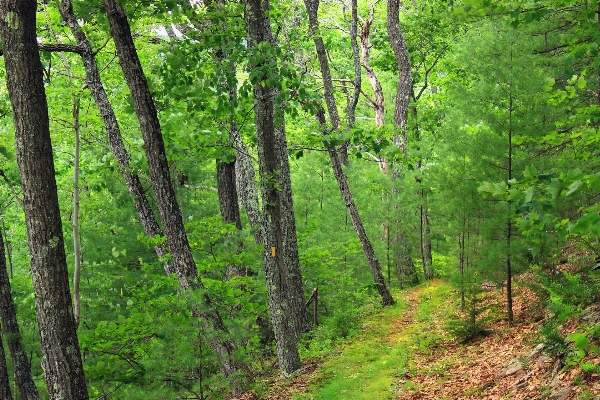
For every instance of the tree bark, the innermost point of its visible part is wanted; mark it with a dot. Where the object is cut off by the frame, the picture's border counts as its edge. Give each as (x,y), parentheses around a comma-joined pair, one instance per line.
(94,84)
(246,185)
(312,7)
(183,263)
(227,192)
(405,81)
(61,358)
(291,258)
(12,335)
(402,256)
(5,392)
(270,168)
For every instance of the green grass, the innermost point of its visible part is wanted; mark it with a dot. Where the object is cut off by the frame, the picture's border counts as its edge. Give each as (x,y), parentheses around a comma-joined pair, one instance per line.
(371,364)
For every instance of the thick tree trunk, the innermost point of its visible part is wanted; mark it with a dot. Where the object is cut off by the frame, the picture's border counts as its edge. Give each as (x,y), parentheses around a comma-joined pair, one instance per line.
(228,198)
(270,167)
(5,393)
(402,248)
(291,258)
(405,81)
(61,358)
(312,7)
(132,181)
(183,263)
(12,334)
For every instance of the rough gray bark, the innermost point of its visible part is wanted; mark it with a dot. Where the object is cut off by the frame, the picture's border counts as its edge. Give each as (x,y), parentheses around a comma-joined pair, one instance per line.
(61,358)
(227,192)
(312,7)
(353,101)
(405,81)
(247,187)
(402,249)
(183,263)
(291,259)
(5,393)
(94,84)
(378,103)
(276,271)
(12,334)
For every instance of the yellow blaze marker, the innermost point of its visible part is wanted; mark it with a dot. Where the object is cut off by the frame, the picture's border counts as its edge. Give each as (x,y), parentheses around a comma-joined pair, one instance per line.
(273,251)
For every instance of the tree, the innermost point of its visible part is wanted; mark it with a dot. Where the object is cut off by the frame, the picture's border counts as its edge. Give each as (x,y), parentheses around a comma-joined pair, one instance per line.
(12,334)
(183,262)
(404,93)
(312,7)
(276,258)
(61,358)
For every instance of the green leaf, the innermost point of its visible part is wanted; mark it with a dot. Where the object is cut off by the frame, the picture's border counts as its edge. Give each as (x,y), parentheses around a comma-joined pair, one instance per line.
(529,193)
(580,340)
(574,187)
(7,154)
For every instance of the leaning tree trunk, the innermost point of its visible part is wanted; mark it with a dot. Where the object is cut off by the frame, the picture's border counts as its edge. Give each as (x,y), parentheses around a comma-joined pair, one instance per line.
(312,7)
(12,334)
(276,272)
(61,358)
(131,179)
(183,262)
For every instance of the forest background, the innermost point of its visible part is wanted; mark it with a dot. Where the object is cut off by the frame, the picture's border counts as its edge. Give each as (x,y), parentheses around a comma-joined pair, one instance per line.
(450,139)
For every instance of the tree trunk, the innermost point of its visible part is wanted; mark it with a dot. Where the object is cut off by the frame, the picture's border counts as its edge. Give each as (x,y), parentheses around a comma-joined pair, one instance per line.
(384,293)
(131,179)
(76,246)
(270,168)
(291,258)
(312,7)
(405,81)
(5,393)
(61,359)
(12,334)
(228,198)
(183,263)
(403,258)
(426,241)
(246,185)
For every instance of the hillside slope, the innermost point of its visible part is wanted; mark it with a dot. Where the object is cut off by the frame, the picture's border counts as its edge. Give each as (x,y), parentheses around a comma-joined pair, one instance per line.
(405,352)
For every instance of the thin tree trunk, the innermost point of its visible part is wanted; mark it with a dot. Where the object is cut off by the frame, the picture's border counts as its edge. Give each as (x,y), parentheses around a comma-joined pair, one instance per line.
(270,163)
(312,7)
(76,247)
(12,334)
(61,358)
(131,179)
(183,262)
(372,260)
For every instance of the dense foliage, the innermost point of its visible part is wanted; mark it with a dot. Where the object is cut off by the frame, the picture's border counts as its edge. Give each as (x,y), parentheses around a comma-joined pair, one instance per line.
(501,167)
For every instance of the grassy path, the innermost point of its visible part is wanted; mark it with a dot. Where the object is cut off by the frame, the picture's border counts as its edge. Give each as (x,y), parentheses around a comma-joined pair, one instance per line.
(371,365)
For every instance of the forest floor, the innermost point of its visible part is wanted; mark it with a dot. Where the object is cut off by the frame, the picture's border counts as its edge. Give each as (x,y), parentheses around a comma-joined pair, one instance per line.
(405,352)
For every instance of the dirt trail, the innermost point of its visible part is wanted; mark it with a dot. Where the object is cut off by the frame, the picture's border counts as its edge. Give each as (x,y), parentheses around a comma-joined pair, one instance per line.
(405,353)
